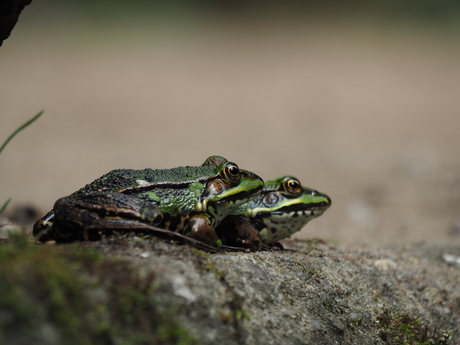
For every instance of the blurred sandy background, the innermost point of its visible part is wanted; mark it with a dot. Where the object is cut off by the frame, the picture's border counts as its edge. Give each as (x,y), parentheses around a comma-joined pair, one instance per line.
(360,102)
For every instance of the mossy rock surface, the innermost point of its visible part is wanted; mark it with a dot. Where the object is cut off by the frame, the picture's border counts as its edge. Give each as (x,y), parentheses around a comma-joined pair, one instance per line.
(132,290)
(74,295)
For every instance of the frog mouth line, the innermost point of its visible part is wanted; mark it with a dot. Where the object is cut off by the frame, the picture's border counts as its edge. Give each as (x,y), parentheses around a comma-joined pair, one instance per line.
(236,199)
(294,211)
(294,214)
(312,208)
(240,197)
(244,196)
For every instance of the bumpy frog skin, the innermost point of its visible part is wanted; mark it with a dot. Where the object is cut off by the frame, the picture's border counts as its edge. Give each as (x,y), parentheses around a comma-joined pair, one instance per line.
(190,200)
(283,208)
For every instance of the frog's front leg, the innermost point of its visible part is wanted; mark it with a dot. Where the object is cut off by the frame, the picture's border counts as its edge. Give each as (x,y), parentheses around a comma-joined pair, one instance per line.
(200,229)
(237,231)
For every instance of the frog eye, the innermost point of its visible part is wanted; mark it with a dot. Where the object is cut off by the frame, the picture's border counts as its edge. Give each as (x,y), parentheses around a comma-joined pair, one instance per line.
(232,172)
(292,186)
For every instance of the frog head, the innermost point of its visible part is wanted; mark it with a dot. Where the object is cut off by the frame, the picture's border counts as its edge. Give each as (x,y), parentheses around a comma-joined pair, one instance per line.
(229,188)
(284,207)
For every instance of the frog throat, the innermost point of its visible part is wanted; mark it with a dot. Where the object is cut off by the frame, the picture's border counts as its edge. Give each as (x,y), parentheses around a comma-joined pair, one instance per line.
(276,225)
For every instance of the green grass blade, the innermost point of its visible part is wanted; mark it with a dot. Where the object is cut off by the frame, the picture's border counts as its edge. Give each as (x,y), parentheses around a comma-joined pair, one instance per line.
(18,130)
(5,206)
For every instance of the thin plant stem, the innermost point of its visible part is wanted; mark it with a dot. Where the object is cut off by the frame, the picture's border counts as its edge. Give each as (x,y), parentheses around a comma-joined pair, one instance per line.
(20,129)
(4,206)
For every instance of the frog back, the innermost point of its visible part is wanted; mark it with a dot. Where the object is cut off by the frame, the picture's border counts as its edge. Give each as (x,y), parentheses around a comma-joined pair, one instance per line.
(132,181)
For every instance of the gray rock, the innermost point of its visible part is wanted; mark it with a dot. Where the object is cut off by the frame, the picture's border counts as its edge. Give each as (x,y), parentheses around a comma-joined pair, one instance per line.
(277,297)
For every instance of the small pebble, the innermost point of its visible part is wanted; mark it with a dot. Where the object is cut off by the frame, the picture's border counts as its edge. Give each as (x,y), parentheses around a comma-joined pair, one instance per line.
(355,317)
(338,324)
(317,325)
(451,259)
(145,255)
(343,303)
(385,264)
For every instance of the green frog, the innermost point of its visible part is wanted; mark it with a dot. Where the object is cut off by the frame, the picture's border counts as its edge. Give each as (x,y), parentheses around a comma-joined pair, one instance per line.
(189,201)
(282,209)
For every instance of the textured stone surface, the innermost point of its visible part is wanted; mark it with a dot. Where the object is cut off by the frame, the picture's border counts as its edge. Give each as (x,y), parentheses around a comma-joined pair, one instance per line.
(316,294)
(147,290)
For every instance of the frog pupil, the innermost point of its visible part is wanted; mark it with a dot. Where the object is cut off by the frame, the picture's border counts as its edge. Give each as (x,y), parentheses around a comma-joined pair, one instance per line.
(293,185)
(233,170)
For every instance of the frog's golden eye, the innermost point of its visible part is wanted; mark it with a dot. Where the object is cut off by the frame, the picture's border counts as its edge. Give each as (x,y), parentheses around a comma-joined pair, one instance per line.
(293,186)
(232,172)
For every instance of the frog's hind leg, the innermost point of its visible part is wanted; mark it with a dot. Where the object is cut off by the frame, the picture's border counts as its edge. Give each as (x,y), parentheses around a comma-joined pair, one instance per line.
(90,216)
(109,227)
